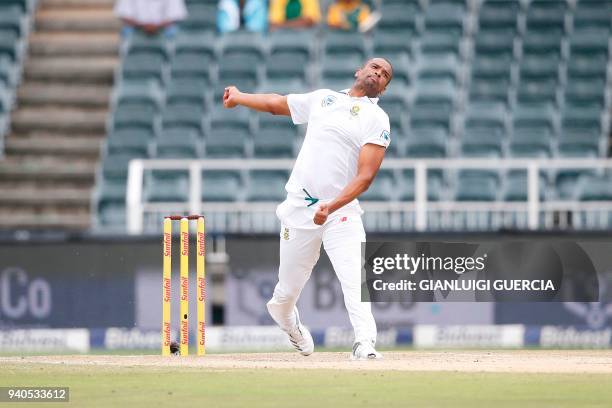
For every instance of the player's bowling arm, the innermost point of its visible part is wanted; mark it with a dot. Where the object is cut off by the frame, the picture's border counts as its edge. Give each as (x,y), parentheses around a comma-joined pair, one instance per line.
(272,103)
(370,159)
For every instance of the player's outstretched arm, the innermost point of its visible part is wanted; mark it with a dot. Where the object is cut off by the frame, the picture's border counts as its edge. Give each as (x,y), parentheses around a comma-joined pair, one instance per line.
(370,159)
(272,103)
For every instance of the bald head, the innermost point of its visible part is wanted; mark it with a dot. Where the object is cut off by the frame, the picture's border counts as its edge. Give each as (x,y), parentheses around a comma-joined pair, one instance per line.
(373,77)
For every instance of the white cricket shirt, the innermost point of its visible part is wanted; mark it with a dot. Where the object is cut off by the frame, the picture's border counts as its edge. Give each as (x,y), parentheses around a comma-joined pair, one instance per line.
(151,11)
(338,126)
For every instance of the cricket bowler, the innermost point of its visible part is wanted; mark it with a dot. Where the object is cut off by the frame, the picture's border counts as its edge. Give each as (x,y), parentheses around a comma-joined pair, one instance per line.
(346,139)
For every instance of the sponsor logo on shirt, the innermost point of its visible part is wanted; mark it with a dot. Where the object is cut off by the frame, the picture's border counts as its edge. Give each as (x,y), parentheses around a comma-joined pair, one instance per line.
(355,110)
(385,136)
(286,234)
(328,100)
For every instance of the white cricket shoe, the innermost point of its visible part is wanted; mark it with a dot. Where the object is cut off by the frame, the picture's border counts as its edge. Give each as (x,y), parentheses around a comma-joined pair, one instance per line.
(300,337)
(365,351)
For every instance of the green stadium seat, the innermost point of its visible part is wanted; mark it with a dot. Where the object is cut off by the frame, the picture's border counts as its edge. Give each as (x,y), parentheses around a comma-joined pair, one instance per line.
(498,67)
(243,44)
(204,43)
(567,180)
(493,90)
(394,104)
(499,14)
(341,69)
(585,93)
(166,186)
(538,67)
(187,90)
(486,115)
(585,117)
(579,142)
(141,43)
(592,14)
(273,143)
(178,143)
(534,115)
(200,17)
(439,43)
(226,143)
(542,43)
(476,185)
(296,42)
(341,44)
(238,70)
(184,115)
(283,86)
(23,5)
(267,185)
(545,14)
(594,188)
(530,141)
(537,91)
(9,45)
(482,142)
(221,185)
(134,116)
(131,142)
(381,189)
(407,185)
(589,42)
(445,17)
(11,18)
(111,213)
(392,46)
(591,66)
(275,138)
(398,18)
(425,114)
(494,44)
(115,167)
(143,67)
(427,142)
(413,3)
(8,71)
(192,65)
(6,99)
(440,66)
(237,118)
(282,66)
(516,188)
(129,93)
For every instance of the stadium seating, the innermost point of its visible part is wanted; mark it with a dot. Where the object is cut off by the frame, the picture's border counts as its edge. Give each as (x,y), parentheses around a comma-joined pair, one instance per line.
(491,78)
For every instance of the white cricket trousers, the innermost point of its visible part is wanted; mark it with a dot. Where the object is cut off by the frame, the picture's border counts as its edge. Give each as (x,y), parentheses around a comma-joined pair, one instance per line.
(299,252)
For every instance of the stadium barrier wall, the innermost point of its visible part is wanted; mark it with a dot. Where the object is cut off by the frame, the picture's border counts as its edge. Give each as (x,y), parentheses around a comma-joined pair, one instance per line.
(92,282)
(271,338)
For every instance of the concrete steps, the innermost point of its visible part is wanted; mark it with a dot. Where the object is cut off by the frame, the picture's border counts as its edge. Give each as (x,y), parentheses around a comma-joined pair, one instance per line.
(59,120)
(29,220)
(73,19)
(80,4)
(74,44)
(28,148)
(48,171)
(38,198)
(99,70)
(59,95)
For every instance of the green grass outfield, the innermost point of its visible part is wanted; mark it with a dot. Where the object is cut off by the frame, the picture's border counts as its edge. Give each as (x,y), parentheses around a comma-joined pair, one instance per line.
(141,386)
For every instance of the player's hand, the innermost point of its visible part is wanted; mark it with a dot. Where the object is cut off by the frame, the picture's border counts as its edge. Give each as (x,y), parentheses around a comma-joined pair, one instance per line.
(229,97)
(321,215)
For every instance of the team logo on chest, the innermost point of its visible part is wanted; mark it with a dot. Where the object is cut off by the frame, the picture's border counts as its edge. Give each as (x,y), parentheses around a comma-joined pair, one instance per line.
(328,100)
(355,110)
